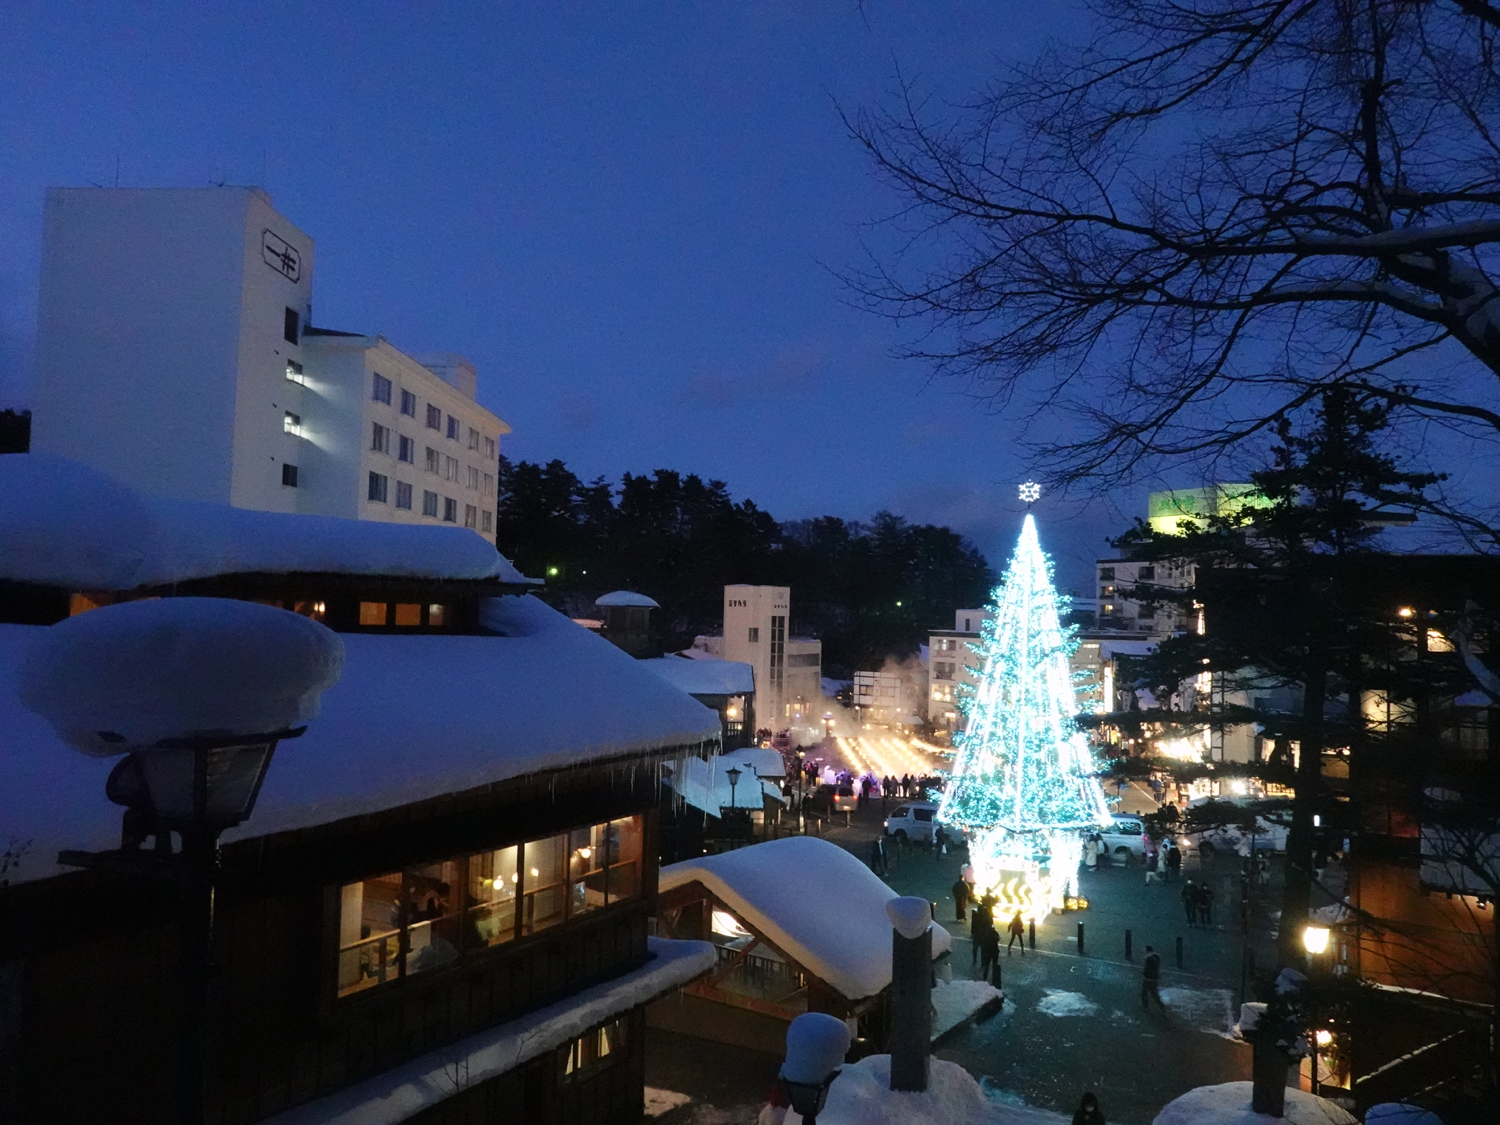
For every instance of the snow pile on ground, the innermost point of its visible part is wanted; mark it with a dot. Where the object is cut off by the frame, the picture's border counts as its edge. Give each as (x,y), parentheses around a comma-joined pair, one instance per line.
(956,1001)
(1229,1104)
(813,901)
(861,1095)
(403,1091)
(1209,1010)
(1056,1002)
(65,524)
(128,676)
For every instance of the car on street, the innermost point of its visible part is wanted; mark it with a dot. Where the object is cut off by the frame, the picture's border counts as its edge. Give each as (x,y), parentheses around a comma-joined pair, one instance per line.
(1270,833)
(913,820)
(1124,837)
(834,799)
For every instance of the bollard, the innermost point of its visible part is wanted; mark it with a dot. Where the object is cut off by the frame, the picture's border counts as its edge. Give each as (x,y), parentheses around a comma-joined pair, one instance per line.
(1179,952)
(1080,939)
(1127,946)
(1032,927)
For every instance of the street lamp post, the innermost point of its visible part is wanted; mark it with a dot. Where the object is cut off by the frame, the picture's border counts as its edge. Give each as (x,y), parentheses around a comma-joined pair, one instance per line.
(734,780)
(196,693)
(816,1044)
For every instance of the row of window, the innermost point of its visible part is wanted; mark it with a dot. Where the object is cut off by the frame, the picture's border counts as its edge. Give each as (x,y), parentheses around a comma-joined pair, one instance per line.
(434,461)
(378,491)
(426,917)
(403,615)
(381,391)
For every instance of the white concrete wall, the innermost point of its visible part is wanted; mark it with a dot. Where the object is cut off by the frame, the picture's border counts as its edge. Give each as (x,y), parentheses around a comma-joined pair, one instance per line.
(139,336)
(260,441)
(753,607)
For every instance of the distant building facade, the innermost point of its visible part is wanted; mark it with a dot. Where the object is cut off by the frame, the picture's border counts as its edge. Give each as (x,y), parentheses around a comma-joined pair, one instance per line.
(174,352)
(788,670)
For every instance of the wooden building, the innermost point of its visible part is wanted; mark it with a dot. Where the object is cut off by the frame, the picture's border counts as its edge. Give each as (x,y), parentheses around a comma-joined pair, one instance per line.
(798,925)
(438,911)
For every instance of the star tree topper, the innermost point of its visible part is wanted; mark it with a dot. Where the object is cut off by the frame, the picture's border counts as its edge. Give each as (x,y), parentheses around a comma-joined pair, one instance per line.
(1030,492)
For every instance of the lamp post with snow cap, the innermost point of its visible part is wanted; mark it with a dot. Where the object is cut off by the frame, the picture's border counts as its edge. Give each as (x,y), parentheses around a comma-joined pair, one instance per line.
(196,693)
(816,1044)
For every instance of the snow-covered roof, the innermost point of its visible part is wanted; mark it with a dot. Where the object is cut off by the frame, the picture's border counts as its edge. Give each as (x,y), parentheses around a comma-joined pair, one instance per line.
(411,718)
(402,1092)
(705,785)
(813,900)
(65,524)
(626,597)
(763,760)
(698,676)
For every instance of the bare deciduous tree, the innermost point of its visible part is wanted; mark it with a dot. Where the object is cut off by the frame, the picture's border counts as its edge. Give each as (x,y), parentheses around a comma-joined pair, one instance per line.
(1211,211)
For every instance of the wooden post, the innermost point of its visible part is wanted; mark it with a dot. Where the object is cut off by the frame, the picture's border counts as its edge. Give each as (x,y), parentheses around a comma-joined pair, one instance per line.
(911,996)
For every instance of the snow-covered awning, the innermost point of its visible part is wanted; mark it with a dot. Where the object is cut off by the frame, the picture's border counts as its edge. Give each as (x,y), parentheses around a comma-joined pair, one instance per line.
(404,1091)
(65,524)
(705,784)
(412,718)
(704,677)
(811,899)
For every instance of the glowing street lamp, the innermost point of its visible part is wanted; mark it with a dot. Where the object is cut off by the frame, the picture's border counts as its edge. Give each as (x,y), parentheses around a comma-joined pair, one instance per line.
(1315,940)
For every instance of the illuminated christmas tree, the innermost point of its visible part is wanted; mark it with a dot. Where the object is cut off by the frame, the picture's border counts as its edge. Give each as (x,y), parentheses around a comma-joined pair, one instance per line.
(1022,783)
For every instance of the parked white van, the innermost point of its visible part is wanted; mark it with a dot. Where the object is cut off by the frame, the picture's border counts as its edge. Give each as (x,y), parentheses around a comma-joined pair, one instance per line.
(1122,837)
(914,820)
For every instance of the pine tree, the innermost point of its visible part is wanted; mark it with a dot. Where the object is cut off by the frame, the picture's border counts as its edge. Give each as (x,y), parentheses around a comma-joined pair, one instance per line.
(1023,776)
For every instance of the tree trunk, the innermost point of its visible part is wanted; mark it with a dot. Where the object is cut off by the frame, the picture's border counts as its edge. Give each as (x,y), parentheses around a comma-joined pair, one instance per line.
(1296,898)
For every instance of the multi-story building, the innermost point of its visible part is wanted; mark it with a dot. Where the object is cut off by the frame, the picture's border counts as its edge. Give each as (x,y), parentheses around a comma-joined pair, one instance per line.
(952,665)
(788,670)
(174,352)
(889,697)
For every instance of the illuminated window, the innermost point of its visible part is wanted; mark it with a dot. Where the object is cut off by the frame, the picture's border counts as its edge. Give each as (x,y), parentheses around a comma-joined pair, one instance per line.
(372,613)
(294,372)
(408,615)
(594,1050)
(292,424)
(380,390)
(435,614)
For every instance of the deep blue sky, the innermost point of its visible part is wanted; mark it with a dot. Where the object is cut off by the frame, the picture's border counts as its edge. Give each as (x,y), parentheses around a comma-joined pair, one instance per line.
(625,214)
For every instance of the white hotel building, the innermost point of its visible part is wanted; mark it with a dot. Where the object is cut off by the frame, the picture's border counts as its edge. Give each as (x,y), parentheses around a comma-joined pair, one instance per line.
(175,352)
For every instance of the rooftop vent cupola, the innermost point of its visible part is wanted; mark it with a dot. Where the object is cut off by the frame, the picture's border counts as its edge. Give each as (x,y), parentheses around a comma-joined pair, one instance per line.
(630,623)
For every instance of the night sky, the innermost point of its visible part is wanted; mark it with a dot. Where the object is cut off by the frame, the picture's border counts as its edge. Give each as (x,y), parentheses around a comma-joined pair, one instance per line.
(629,216)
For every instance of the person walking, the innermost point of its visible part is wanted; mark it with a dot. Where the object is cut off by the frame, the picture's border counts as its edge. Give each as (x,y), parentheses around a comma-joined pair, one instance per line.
(980,920)
(1091,852)
(989,954)
(1088,1111)
(1151,980)
(960,900)
(1017,930)
(877,856)
(1206,905)
(1174,861)
(1190,902)
(1152,858)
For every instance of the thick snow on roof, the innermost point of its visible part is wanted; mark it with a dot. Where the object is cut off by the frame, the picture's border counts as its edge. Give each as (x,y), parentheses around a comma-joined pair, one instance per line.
(814,901)
(705,785)
(626,597)
(413,717)
(128,676)
(862,1095)
(763,760)
(1229,1104)
(65,524)
(704,677)
(402,1092)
